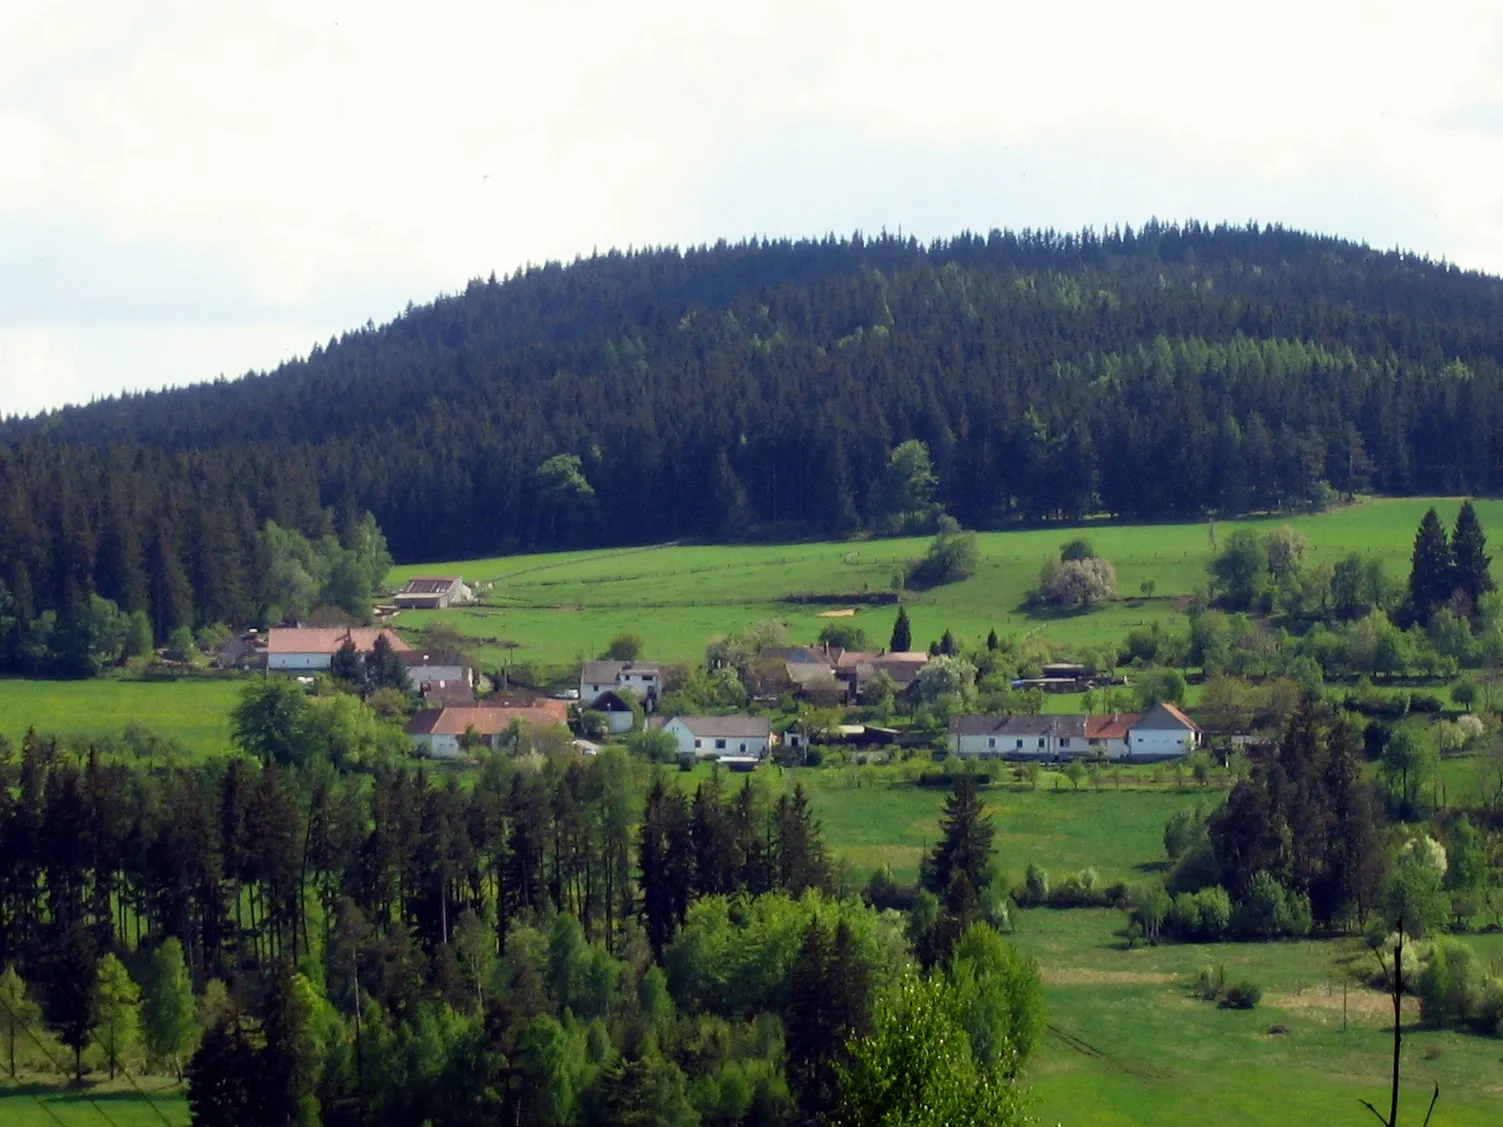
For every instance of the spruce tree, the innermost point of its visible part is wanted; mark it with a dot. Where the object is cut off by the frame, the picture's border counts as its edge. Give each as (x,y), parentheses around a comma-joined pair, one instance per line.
(960,866)
(1469,559)
(902,633)
(1430,567)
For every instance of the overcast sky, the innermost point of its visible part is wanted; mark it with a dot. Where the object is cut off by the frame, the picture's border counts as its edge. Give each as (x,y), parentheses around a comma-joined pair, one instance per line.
(196,189)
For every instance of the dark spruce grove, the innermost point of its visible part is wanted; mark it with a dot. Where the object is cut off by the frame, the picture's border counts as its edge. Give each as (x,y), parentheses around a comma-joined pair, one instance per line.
(759,389)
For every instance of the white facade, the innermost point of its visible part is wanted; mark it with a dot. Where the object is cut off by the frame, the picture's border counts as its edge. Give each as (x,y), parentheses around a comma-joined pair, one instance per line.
(1161,743)
(617,723)
(436,747)
(705,745)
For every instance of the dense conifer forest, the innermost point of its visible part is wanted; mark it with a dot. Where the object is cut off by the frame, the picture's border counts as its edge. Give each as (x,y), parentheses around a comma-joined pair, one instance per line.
(758,390)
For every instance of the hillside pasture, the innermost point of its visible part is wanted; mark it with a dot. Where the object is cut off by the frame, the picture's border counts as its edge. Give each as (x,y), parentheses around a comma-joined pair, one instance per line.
(563,607)
(196,713)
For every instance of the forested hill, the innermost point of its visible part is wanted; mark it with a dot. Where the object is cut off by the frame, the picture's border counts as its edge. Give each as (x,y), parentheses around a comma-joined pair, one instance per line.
(758,388)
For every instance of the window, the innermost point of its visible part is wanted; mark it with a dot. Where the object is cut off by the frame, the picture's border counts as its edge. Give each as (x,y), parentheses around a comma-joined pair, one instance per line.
(697,743)
(743,749)
(1020,743)
(991,743)
(719,745)
(1065,742)
(1041,741)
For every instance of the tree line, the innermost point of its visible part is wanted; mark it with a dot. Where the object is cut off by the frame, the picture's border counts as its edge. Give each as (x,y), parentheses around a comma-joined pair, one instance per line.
(762,389)
(569,941)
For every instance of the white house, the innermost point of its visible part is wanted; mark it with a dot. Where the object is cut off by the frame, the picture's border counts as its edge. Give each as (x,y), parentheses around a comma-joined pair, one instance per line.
(715,737)
(1163,732)
(438,732)
(1018,737)
(617,710)
(438,668)
(646,680)
(432,593)
(1160,733)
(308,647)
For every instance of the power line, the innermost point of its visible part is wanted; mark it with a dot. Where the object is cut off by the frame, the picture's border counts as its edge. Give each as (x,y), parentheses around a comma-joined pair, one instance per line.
(59,1065)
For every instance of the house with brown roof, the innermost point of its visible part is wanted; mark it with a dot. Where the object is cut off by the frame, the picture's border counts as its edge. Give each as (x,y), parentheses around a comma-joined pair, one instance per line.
(718,737)
(647,680)
(438,732)
(1163,732)
(299,648)
(432,593)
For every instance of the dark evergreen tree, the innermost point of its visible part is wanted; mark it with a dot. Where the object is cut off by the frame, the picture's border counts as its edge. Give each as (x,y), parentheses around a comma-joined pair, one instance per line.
(1430,577)
(960,867)
(70,992)
(1470,564)
(224,1077)
(348,665)
(991,640)
(902,633)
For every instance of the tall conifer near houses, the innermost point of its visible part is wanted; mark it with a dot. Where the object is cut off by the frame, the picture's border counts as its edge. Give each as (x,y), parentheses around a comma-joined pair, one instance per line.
(902,633)
(1430,567)
(1470,562)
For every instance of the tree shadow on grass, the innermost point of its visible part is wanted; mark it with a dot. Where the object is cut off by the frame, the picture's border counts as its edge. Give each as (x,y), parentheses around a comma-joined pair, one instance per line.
(1151,867)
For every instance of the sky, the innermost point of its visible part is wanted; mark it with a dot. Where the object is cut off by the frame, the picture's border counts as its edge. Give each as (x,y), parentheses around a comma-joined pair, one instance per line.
(196,190)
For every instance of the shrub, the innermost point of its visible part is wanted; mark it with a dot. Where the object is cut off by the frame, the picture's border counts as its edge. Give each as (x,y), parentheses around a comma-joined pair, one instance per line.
(1213,914)
(1452,984)
(1268,911)
(1035,886)
(1242,996)
(1210,982)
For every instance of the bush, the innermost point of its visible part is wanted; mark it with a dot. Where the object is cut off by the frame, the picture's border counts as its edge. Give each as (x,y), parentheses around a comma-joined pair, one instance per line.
(1452,984)
(1210,982)
(1035,888)
(1269,911)
(1242,996)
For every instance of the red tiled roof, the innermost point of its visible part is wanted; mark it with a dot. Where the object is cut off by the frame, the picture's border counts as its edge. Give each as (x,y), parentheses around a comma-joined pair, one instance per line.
(486,720)
(327,639)
(1111,727)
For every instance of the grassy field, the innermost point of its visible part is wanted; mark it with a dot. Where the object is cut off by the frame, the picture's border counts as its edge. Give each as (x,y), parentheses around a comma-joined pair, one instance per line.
(562,607)
(195,713)
(47,1104)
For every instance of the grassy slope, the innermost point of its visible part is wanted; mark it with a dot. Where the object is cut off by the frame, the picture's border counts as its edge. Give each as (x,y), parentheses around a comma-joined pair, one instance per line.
(562,607)
(196,713)
(121,1106)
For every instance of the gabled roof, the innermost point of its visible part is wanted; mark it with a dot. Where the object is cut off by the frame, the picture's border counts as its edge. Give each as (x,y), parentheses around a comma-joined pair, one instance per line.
(611,701)
(1113,727)
(456,720)
(1020,727)
(425,585)
(601,672)
(328,640)
(727,727)
(446,658)
(1166,717)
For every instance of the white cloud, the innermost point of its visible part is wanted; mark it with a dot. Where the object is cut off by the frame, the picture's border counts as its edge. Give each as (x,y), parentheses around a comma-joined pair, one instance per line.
(322,163)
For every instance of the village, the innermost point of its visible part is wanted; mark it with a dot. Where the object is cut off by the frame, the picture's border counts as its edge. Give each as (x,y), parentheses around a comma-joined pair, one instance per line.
(462,710)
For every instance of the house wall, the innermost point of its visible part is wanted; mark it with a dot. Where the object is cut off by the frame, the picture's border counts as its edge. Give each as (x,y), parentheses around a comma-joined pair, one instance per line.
(437,747)
(617,723)
(299,661)
(1113,749)
(712,748)
(1161,742)
(642,684)
(589,690)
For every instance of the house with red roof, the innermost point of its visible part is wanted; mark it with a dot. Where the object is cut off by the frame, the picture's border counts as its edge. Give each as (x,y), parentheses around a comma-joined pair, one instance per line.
(438,732)
(300,648)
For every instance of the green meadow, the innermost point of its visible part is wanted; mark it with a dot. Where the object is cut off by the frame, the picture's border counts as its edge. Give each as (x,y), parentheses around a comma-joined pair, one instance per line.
(196,713)
(564,607)
(49,1103)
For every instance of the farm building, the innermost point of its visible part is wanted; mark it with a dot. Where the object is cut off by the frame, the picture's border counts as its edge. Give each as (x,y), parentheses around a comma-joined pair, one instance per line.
(438,732)
(299,648)
(430,593)
(1162,732)
(715,737)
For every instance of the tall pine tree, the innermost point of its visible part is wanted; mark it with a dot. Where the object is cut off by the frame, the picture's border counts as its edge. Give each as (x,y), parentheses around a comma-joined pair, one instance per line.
(1469,559)
(1430,567)
(902,633)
